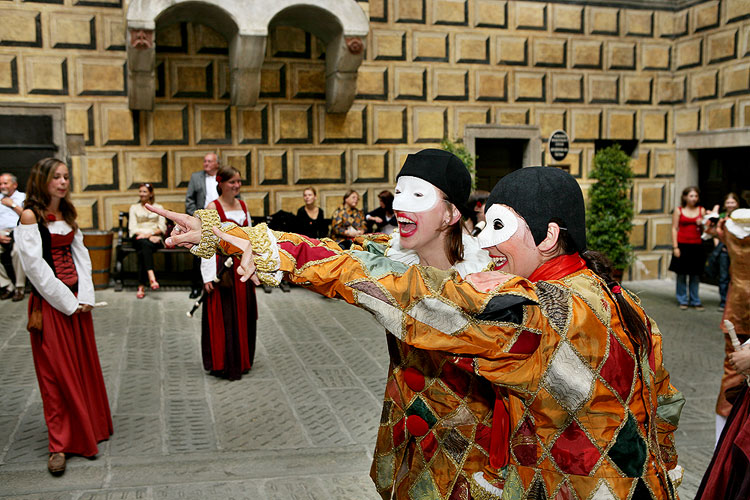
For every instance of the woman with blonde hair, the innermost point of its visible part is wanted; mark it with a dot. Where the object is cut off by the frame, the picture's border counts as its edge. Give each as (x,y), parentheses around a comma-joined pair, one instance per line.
(57,264)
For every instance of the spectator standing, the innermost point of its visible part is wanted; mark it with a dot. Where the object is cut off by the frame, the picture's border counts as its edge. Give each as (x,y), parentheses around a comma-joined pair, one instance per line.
(383,218)
(58,266)
(731,203)
(147,230)
(348,221)
(11,206)
(230,311)
(688,258)
(201,191)
(310,218)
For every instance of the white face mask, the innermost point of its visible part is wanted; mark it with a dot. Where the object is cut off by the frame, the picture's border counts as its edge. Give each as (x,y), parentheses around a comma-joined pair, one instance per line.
(414,195)
(501,225)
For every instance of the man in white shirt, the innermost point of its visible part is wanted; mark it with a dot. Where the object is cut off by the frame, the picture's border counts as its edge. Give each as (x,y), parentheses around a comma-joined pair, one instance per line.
(201,191)
(11,206)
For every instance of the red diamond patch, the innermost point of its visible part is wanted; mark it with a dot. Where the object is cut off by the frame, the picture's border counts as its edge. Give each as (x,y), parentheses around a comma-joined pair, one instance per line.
(574,452)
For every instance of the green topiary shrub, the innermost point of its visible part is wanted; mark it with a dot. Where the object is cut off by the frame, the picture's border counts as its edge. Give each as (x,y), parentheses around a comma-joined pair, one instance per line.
(459,149)
(609,217)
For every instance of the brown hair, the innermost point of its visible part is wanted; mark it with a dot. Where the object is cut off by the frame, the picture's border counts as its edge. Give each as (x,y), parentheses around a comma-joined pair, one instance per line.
(310,188)
(686,192)
(37,193)
(387,198)
(224,174)
(454,243)
(349,193)
(732,195)
(150,189)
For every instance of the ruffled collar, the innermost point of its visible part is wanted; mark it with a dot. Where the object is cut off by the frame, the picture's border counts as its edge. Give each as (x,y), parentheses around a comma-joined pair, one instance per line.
(475,258)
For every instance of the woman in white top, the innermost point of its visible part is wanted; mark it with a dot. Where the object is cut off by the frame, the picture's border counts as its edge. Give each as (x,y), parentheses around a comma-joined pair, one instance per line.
(147,230)
(57,264)
(229,309)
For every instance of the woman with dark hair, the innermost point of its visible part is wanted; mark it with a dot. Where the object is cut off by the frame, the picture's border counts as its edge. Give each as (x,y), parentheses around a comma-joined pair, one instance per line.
(57,264)
(230,311)
(688,258)
(310,218)
(383,218)
(147,230)
(348,222)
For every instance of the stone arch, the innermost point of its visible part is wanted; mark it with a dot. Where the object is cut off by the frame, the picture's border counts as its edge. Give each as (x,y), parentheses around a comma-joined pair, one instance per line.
(341,24)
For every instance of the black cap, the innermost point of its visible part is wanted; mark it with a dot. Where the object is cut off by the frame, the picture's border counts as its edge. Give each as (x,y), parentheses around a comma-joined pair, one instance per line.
(540,194)
(443,170)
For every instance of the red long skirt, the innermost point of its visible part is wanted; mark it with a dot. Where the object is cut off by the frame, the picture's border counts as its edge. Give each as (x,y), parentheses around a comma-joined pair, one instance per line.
(76,407)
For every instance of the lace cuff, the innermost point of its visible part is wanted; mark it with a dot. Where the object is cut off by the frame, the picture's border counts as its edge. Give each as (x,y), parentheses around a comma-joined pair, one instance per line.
(265,254)
(209,241)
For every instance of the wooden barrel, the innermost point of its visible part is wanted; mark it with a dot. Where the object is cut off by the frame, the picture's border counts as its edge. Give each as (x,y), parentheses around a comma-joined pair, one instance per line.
(99,244)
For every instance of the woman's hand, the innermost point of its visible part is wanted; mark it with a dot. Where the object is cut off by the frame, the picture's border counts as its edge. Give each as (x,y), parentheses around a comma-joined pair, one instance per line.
(246,269)
(84,308)
(676,252)
(740,360)
(140,236)
(187,229)
(488,281)
(208,287)
(154,239)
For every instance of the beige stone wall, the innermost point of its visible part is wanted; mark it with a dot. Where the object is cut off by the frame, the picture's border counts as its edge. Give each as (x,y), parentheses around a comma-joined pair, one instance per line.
(431,68)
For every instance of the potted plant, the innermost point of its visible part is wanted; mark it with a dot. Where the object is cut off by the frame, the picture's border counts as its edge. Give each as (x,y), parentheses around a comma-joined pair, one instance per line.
(609,217)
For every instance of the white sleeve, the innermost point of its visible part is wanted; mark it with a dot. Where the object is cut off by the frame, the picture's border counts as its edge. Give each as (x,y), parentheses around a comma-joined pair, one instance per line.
(208,269)
(54,291)
(82,261)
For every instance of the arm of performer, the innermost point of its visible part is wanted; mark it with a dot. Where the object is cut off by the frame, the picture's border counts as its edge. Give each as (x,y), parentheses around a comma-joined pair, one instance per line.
(82,261)
(29,244)
(208,272)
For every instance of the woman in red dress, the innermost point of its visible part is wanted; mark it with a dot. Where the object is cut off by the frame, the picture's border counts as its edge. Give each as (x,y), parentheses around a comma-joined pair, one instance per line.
(57,263)
(229,310)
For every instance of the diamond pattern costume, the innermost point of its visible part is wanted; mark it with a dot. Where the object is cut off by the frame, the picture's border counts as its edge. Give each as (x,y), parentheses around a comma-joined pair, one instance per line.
(588,419)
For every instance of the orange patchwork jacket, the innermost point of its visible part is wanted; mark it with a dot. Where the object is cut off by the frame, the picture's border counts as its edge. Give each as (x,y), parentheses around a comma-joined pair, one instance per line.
(588,419)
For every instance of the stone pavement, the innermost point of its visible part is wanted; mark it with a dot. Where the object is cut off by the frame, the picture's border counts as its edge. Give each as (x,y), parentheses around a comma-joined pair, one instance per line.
(301,425)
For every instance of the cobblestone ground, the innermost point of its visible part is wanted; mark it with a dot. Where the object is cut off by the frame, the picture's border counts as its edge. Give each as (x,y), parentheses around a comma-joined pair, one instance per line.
(301,425)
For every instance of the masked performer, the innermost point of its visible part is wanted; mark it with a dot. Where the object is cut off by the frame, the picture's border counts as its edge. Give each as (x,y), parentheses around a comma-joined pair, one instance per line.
(229,310)
(592,412)
(76,407)
(728,475)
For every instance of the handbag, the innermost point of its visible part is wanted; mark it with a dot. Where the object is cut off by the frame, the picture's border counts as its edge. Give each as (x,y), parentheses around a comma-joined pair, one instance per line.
(34,324)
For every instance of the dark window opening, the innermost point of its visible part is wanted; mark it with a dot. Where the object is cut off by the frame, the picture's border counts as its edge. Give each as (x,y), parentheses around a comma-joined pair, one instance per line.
(722,171)
(496,158)
(24,140)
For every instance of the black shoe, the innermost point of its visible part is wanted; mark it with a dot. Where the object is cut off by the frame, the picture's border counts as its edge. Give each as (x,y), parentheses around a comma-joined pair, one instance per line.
(5,294)
(18,294)
(284,286)
(194,294)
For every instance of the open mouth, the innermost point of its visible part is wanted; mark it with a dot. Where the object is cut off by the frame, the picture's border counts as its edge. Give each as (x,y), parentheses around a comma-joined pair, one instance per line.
(499,261)
(406,226)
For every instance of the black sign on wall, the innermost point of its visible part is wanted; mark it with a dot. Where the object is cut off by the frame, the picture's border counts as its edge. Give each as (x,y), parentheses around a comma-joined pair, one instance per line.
(558,145)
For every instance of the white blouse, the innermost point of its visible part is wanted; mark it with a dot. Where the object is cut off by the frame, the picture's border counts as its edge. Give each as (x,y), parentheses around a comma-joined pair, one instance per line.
(28,240)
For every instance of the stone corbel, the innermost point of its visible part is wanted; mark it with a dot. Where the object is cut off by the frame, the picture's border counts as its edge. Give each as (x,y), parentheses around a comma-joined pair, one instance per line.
(246,55)
(343,58)
(141,69)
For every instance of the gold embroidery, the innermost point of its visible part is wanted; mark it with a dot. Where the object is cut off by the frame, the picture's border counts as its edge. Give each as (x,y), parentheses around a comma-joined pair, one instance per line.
(209,241)
(265,263)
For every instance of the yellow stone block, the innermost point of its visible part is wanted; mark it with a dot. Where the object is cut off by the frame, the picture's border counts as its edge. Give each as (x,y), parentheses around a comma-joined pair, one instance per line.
(389,45)
(117,124)
(344,127)
(190,78)
(654,125)
(737,9)
(604,21)
(287,40)
(145,167)
(491,85)
(491,13)
(550,52)
(240,161)
(253,123)
(621,55)
(670,90)
(292,123)
(309,80)
(687,120)
(370,166)
(449,12)
(114,32)
(640,164)
(316,166)
(621,124)
(450,84)
(171,36)
(372,82)
(671,24)
(651,198)
(469,116)
(517,116)
(586,53)
(665,163)
(272,80)
(72,30)
(530,86)
(472,48)
(586,125)
(46,75)
(86,214)
(410,83)
(389,124)
(430,124)
(549,120)
(720,116)
(378,10)
(706,15)
(722,46)
(511,50)
(639,23)
(567,88)
(168,124)
(257,204)
(604,88)
(736,80)
(208,40)
(638,234)
(688,53)
(430,46)
(212,123)
(530,15)
(100,169)
(20,26)
(77,119)
(567,18)
(663,233)
(272,167)
(100,77)
(638,89)
(409,11)
(704,85)
(656,56)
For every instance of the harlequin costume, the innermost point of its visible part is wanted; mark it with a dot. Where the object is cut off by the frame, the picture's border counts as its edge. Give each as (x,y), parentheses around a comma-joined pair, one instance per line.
(230,313)
(76,408)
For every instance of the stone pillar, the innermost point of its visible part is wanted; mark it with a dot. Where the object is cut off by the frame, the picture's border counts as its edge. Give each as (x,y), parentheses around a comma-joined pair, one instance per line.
(246,55)
(343,57)
(141,69)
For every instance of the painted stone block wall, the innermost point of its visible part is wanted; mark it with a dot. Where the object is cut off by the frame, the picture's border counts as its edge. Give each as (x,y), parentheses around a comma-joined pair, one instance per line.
(431,68)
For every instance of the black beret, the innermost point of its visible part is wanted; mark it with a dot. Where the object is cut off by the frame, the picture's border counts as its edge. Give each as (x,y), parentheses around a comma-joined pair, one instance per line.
(443,170)
(540,194)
